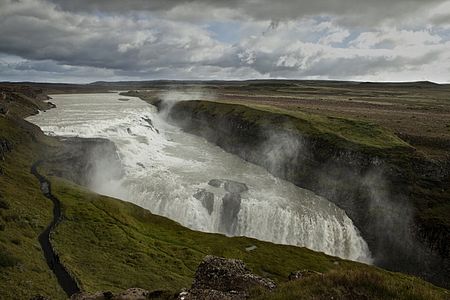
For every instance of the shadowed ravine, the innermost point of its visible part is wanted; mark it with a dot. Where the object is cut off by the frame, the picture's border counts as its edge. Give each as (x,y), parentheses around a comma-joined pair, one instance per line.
(65,280)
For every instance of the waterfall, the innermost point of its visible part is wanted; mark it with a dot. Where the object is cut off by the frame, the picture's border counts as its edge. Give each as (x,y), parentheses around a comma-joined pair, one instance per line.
(197,184)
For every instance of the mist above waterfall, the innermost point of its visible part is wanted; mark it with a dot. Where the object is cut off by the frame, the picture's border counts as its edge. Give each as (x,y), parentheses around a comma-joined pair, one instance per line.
(171,97)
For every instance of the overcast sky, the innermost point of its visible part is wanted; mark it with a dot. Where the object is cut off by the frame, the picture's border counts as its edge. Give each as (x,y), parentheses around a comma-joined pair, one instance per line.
(89,40)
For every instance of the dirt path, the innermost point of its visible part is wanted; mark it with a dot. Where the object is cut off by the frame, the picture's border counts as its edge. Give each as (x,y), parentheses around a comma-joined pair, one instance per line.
(66,281)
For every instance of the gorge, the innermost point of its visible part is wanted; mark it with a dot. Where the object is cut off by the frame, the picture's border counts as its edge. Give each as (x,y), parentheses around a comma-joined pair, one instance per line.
(167,171)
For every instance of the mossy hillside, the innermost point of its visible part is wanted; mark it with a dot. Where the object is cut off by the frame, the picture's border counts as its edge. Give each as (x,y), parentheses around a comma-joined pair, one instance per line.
(341,132)
(355,284)
(112,245)
(23,269)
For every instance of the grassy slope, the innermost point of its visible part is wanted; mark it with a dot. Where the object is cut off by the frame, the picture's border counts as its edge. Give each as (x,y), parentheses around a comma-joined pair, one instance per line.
(112,245)
(353,284)
(145,250)
(23,270)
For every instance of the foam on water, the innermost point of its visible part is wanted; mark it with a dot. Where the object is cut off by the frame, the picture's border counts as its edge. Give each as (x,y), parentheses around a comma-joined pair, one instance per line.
(165,167)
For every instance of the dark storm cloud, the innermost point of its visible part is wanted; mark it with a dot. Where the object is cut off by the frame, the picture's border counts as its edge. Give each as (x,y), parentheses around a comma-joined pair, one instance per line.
(40,32)
(353,10)
(180,39)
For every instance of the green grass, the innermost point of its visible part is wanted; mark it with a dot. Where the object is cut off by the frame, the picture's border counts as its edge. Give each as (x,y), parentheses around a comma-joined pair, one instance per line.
(354,284)
(23,270)
(342,132)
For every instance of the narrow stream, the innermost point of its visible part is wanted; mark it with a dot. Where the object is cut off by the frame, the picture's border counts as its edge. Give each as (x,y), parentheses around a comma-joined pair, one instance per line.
(169,172)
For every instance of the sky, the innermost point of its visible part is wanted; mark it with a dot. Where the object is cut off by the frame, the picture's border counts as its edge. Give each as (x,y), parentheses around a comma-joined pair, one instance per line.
(88,40)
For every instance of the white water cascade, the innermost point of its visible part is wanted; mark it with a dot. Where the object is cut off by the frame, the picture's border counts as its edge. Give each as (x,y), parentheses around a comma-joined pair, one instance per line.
(165,167)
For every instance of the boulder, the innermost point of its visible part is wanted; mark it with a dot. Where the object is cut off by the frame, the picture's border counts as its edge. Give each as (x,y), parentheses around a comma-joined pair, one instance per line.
(199,294)
(51,105)
(149,121)
(235,187)
(221,278)
(206,198)
(130,294)
(215,183)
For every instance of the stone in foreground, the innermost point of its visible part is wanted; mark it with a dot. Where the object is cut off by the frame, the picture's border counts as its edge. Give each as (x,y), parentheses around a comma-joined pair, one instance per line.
(130,294)
(221,278)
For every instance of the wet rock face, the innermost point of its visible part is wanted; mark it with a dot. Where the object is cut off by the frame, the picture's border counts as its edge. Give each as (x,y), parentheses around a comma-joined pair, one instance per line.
(221,278)
(231,204)
(206,198)
(215,183)
(235,187)
(50,105)
(80,160)
(150,124)
(230,186)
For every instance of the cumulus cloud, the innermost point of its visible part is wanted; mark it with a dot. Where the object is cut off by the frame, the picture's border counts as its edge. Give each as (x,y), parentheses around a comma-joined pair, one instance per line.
(174,39)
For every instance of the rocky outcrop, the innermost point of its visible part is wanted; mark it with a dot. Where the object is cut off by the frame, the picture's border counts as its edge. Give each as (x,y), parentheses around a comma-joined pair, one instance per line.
(221,278)
(231,204)
(235,187)
(22,100)
(230,186)
(206,198)
(83,160)
(215,183)
(381,191)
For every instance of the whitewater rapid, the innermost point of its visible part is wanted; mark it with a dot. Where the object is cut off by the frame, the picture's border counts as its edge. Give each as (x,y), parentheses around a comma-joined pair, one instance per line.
(165,167)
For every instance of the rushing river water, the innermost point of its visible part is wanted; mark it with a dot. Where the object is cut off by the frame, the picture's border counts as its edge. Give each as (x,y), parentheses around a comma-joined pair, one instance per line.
(167,171)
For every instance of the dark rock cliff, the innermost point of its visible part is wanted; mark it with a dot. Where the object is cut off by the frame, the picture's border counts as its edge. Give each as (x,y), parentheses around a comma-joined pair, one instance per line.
(382,192)
(82,160)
